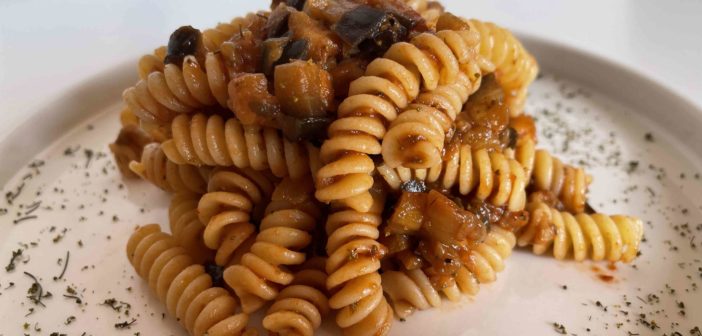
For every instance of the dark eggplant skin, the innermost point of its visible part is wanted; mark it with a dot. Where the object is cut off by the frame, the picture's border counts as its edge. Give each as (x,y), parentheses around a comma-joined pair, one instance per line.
(272,50)
(184,41)
(312,129)
(370,30)
(277,23)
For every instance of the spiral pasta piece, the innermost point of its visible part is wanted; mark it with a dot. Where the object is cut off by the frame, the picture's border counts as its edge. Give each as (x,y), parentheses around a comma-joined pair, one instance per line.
(514,69)
(352,266)
(390,83)
(156,168)
(186,226)
(416,138)
(183,286)
(300,307)
(568,183)
(210,140)
(227,208)
(284,234)
(588,236)
(184,88)
(491,175)
(411,290)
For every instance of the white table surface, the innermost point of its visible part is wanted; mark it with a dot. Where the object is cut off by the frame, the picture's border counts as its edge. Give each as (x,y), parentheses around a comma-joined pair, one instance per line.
(47,47)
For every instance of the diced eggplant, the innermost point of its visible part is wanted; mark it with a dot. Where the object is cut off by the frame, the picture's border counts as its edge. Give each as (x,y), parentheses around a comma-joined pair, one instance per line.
(346,72)
(296,50)
(484,117)
(303,89)
(251,102)
(328,11)
(448,21)
(370,30)
(313,129)
(408,216)
(297,4)
(407,16)
(277,23)
(448,223)
(323,43)
(243,53)
(273,49)
(396,243)
(184,41)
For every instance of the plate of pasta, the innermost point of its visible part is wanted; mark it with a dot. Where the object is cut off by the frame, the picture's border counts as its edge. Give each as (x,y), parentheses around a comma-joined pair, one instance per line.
(356,167)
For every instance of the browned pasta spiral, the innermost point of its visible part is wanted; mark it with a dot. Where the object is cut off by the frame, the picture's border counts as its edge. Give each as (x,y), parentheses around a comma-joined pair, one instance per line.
(300,307)
(390,83)
(211,140)
(489,174)
(412,290)
(156,168)
(416,138)
(227,208)
(594,236)
(353,264)
(285,232)
(186,226)
(514,69)
(568,183)
(195,83)
(183,286)
(128,146)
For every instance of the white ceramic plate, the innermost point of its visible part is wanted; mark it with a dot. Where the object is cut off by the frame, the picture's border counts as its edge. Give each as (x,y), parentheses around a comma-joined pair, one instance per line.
(589,112)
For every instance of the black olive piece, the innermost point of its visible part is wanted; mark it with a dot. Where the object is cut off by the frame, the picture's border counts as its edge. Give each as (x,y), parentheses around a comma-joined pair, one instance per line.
(414,186)
(297,4)
(217,274)
(183,42)
(277,23)
(296,50)
(298,129)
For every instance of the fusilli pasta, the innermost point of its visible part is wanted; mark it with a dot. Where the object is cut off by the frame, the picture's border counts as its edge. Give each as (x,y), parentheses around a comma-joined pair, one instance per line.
(227,208)
(568,183)
(490,174)
(211,140)
(156,168)
(594,236)
(284,234)
(411,290)
(183,88)
(352,266)
(186,226)
(514,69)
(183,286)
(300,307)
(390,83)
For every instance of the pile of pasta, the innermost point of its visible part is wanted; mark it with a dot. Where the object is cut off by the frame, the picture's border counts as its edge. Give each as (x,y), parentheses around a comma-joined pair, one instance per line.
(361,158)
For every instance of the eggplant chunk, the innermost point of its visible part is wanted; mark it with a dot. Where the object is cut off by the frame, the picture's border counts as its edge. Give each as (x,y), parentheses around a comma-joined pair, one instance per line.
(369,29)
(251,102)
(323,43)
(303,89)
(277,23)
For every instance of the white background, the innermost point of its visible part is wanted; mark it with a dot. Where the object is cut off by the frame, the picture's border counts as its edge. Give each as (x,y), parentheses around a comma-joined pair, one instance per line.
(47,47)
